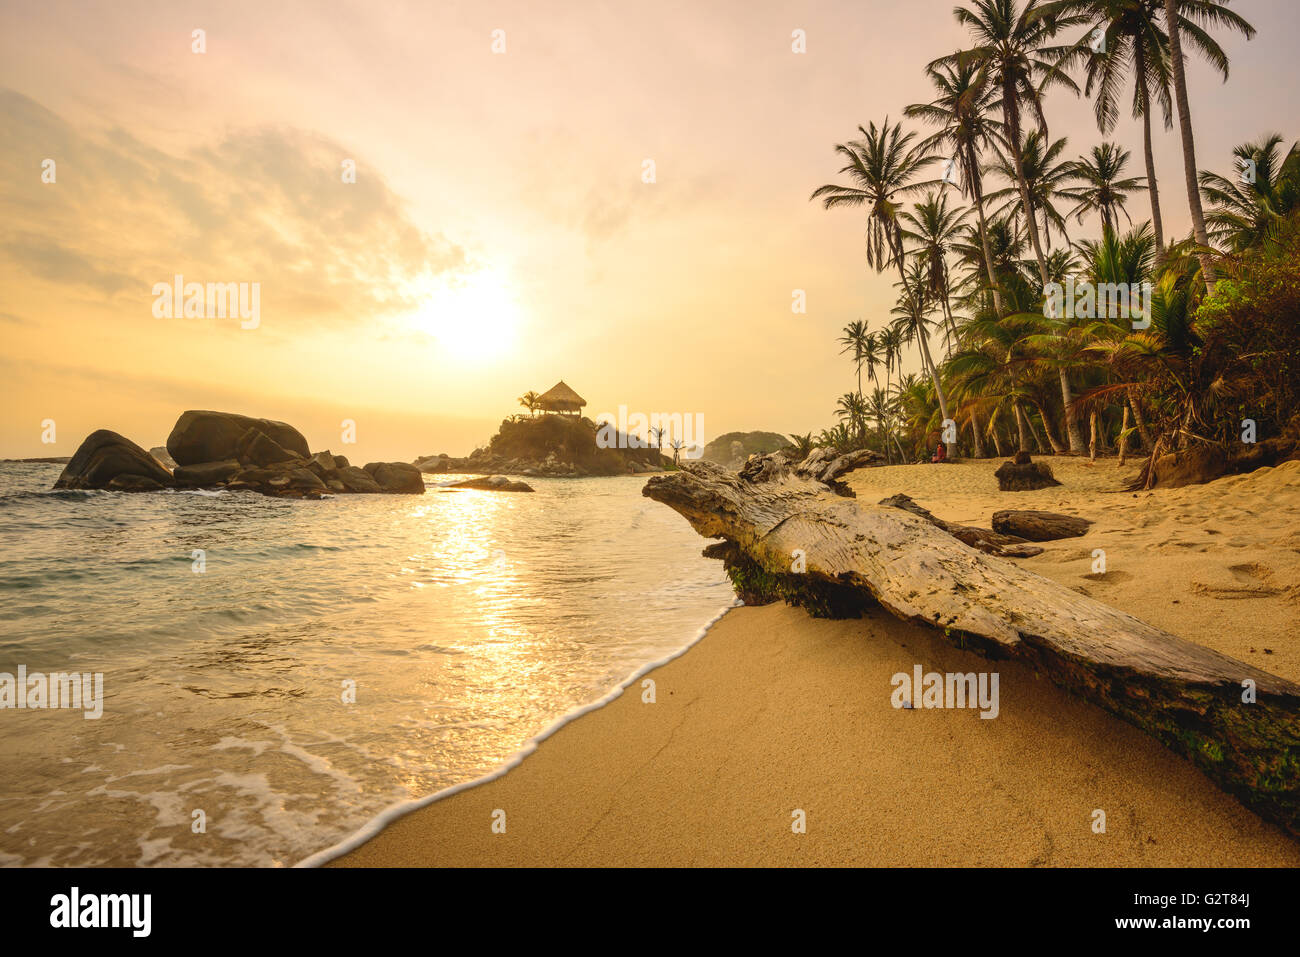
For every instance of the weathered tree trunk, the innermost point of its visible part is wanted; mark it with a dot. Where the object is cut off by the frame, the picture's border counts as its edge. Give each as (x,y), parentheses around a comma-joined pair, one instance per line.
(1187,696)
(1092,442)
(1135,403)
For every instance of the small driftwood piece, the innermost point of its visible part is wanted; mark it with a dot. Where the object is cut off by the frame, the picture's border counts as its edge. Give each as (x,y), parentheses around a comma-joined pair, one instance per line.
(788,537)
(1035,526)
(993,542)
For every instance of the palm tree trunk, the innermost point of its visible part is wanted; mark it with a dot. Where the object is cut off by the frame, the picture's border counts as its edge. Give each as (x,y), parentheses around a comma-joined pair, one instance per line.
(925,345)
(1139,419)
(1012,117)
(976,438)
(1072,430)
(977,187)
(1123,438)
(1052,440)
(1189,142)
(1022,425)
(1144,98)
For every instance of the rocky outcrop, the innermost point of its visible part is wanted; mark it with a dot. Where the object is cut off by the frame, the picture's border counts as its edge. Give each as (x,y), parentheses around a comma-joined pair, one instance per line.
(552,446)
(108,460)
(1022,474)
(257,460)
(201,436)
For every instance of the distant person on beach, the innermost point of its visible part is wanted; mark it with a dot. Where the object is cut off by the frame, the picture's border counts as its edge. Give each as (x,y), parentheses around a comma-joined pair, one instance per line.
(940,453)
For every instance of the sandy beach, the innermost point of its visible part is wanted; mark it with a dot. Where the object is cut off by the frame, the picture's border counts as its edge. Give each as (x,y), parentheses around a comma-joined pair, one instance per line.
(774,712)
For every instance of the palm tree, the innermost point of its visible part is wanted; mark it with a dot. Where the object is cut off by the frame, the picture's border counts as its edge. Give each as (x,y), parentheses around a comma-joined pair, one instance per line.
(1102,188)
(852,407)
(530,400)
(882,166)
(1191,17)
(1045,180)
(1246,210)
(962,111)
(802,444)
(1014,54)
(1133,40)
(911,321)
(855,339)
(657,436)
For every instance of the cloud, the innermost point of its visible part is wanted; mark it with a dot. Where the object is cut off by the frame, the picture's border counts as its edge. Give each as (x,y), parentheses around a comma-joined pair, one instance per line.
(264,205)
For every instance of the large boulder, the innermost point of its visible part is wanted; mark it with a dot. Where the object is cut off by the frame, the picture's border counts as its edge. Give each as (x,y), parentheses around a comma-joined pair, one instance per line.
(205,473)
(201,436)
(1022,474)
(357,480)
(258,448)
(106,456)
(161,454)
(1191,466)
(396,477)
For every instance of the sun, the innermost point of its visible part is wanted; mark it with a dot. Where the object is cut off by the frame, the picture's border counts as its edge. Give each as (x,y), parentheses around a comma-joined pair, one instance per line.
(472,317)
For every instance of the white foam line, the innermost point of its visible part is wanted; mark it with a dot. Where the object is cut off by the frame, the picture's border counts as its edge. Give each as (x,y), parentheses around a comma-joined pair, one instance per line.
(403,808)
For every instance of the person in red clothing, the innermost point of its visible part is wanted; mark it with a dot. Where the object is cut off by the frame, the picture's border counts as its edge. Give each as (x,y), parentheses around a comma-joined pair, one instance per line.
(940,453)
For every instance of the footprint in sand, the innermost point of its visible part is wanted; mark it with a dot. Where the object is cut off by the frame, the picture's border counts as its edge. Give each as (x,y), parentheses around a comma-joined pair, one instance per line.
(1108,577)
(1248,580)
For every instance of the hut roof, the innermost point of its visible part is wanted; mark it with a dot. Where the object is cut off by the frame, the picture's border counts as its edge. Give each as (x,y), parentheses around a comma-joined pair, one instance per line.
(561,395)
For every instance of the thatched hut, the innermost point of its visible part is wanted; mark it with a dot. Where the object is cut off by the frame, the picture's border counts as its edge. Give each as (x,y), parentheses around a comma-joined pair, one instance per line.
(560,398)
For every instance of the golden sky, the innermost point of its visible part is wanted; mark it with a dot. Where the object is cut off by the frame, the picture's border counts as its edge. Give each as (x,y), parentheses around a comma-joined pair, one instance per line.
(499,235)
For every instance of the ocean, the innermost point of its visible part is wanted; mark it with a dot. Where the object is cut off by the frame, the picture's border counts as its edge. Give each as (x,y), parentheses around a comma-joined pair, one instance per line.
(278,672)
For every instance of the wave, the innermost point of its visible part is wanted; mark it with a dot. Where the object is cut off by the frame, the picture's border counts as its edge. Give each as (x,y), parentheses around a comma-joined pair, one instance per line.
(403,808)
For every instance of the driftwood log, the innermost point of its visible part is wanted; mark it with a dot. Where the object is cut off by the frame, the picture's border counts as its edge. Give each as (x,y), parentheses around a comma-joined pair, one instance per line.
(787,536)
(1035,526)
(993,542)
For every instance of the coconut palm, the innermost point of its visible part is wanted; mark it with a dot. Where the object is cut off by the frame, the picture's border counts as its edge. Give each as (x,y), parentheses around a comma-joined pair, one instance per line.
(1248,208)
(1047,177)
(1103,188)
(531,401)
(963,112)
(852,407)
(1014,52)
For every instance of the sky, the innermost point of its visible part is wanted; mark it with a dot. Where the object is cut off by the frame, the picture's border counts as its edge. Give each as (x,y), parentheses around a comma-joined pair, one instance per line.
(503,231)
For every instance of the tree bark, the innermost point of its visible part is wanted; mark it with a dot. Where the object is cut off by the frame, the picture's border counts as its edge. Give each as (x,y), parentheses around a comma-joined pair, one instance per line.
(1187,696)
(1073,434)
(1189,140)
(1144,98)
(1012,117)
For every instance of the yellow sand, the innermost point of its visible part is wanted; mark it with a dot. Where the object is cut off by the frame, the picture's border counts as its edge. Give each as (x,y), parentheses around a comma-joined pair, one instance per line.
(774,711)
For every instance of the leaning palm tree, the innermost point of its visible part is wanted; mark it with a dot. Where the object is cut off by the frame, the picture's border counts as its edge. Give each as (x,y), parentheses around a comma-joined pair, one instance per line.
(1014,52)
(963,112)
(1248,208)
(1102,187)
(882,167)
(1190,18)
(531,401)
